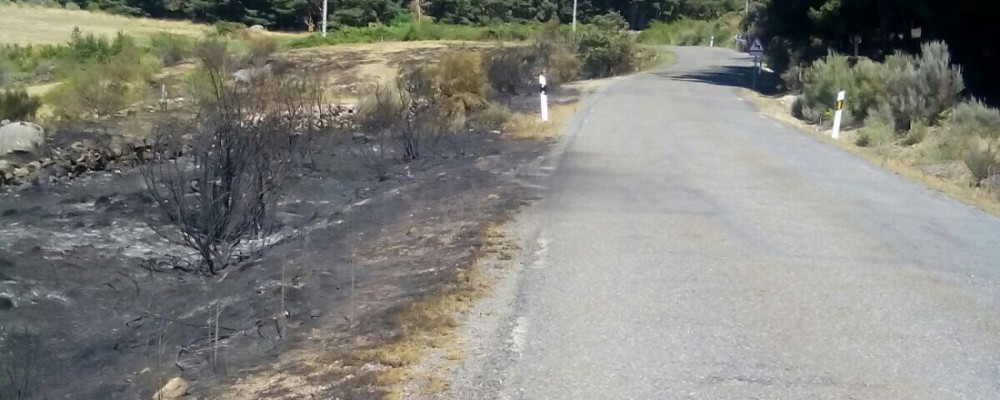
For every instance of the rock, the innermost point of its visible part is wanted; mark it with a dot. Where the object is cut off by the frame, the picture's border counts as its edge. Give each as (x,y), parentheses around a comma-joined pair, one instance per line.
(412,232)
(21,173)
(493,197)
(174,389)
(257,28)
(21,137)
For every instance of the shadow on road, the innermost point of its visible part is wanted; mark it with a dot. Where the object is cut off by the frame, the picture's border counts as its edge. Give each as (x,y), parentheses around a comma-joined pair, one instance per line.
(730,75)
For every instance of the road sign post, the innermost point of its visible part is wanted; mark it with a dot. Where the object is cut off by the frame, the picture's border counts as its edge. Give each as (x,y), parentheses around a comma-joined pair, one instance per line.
(838,114)
(544,97)
(757,51)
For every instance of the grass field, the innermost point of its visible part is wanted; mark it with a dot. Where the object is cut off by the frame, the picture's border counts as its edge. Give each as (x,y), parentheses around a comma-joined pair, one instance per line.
(24,24)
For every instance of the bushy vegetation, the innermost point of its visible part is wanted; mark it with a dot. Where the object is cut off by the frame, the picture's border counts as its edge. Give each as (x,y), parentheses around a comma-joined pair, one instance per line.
(43,63)
(692,32)
(607,48)
(917,89)
(461,83)
(514,69)
(17,105)
(99,87)
(908,100)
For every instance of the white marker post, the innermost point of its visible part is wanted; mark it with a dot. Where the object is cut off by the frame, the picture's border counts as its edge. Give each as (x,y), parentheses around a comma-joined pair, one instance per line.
(711,41)
(839,107)
(326,5)
(544,98)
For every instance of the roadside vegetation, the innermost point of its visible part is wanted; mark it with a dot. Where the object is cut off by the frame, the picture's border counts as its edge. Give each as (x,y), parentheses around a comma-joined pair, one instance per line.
(693,32)
(912,113)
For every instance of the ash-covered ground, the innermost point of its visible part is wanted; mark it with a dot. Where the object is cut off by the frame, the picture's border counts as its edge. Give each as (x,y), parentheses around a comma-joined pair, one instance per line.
(92,306)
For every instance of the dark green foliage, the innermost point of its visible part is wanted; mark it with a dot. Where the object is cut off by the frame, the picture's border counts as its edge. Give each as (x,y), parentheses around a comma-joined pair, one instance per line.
(607,49)
(17,105)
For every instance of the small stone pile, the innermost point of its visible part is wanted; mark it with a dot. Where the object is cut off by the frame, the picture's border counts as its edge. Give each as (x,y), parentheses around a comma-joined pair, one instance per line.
(78,159)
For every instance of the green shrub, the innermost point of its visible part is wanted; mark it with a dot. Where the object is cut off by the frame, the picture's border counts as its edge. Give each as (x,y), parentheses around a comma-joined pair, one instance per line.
(607,49)
(826,77)
(170,48)
(982,163)
(71,6)
(17,105)
(103,89)
(920,89)
(974,119)
(879,129)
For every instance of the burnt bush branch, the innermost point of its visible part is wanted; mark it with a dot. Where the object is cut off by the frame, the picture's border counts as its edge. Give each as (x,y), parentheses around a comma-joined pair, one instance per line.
(236,154)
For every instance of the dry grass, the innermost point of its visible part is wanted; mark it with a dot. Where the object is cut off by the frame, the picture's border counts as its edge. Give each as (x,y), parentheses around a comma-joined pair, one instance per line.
(430,323)
(353,68)
(530,126)
(23,24)
(904,162)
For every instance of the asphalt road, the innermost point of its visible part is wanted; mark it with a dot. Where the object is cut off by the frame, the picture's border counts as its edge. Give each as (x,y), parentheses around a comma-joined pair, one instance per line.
(689,248)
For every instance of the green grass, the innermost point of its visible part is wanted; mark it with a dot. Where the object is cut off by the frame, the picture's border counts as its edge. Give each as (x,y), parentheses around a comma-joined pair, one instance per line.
(690,32)
(416,31)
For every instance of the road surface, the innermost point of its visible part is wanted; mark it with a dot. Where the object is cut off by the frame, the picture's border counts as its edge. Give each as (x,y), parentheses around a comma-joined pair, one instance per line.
(689,248)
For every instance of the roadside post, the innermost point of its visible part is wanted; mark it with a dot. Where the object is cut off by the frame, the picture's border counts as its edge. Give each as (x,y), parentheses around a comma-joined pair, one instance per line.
(163,97)
(544,97)
(838,113)
(711,41)
(757,51)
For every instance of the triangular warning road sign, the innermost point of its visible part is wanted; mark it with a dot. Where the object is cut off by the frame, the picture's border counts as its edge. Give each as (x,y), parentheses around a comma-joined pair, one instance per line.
(756,47)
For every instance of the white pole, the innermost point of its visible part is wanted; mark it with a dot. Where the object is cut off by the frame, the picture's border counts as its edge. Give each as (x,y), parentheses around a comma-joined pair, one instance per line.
(711,41)
(574,16)
(838,114)
(544,98)
(326,5)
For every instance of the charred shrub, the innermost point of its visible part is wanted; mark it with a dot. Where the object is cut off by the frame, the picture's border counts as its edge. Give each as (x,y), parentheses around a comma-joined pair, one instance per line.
(235,157)
(18,105)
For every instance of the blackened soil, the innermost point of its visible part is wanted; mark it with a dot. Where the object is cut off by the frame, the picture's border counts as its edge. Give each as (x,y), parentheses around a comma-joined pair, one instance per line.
(86,314)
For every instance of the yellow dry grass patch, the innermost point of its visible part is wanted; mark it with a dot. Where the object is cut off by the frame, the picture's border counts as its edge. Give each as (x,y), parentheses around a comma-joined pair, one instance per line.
(371,63)
(899,162)
(24,24)
(530,126)
(430,323)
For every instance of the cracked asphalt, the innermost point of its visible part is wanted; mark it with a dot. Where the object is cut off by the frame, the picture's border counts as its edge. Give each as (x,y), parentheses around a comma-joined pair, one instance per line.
(689,248)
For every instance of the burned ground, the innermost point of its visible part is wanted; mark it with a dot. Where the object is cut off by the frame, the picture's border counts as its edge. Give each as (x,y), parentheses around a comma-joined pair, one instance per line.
(91,306)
